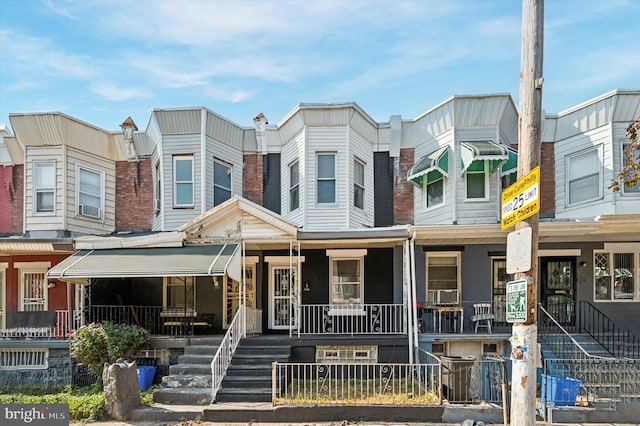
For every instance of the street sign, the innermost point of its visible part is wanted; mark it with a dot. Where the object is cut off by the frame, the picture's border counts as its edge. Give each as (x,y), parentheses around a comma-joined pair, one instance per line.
(517,301)
(519,250)
(521,200)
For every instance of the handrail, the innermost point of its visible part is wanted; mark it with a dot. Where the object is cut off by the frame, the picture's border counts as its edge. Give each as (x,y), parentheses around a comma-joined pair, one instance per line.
(618,341)
(567,335)
(226,350)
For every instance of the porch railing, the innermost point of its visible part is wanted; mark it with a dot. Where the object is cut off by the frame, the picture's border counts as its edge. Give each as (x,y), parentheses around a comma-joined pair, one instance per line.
(60,331)
(617,340)
(351,319)
(225,352)
(558,339)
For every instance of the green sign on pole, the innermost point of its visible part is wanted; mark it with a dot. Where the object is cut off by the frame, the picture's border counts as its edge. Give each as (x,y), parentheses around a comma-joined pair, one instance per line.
(517,301)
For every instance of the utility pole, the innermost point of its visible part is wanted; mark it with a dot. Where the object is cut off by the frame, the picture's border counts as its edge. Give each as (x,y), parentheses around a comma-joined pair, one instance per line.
(525,334)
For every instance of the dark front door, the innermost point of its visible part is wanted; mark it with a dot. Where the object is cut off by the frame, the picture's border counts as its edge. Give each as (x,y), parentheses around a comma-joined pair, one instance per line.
(557,278)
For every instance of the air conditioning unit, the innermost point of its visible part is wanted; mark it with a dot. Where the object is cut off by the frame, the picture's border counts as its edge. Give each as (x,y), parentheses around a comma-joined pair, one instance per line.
(89,211)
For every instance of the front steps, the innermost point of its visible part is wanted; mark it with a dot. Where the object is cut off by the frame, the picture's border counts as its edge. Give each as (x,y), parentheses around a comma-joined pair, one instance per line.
(248,377)
(189,381)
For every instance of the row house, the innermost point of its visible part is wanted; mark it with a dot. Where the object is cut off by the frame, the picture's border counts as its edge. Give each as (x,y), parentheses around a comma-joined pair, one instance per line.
(354,239)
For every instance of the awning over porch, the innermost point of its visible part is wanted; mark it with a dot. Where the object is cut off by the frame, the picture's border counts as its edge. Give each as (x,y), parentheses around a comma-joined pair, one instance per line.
(493,152)
(201,260)
(431,167)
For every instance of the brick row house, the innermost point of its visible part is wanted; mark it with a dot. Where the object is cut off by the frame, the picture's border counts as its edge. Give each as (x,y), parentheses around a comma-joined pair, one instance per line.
(356,240)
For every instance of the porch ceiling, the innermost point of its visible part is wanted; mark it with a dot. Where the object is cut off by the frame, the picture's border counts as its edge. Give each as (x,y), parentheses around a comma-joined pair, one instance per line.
(202,260)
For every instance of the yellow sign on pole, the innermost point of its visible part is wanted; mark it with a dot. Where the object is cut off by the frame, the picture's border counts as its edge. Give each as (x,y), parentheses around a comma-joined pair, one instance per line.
(521,200)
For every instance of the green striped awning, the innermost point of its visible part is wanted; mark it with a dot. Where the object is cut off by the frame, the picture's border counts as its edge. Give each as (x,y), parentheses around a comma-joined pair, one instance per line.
(432,166)
(472,151)
(511,165)
(201,260)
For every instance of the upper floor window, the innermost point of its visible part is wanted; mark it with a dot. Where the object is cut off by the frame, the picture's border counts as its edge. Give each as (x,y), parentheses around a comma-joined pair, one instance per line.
(634,189)
(615,274)
(158,201)
(584,176)
(221,182)
(183,181)
(477,181)
(294,186)
(347,276)
(434,192)
(443,278)
(358,184)
(90,193)
(326,178)
(45,180)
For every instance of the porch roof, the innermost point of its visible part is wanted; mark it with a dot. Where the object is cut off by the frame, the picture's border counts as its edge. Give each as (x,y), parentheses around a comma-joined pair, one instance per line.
(200,260)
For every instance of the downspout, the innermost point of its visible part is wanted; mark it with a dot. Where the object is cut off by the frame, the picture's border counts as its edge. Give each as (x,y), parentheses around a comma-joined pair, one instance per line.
(454,181)
(203,161)
(407,292)
(414,313)
(243,290)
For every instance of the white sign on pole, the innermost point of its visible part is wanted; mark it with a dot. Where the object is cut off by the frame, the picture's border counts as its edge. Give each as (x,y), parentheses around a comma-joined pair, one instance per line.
(519,251)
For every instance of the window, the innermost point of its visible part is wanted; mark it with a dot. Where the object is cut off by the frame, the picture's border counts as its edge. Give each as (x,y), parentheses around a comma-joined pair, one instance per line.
(90,189)
(635,189)
(616,275)
(221,182)
(158,201)
(584,176)
(434,192)
(14,359)
(500,278)
(477,182)
(183,181)
(358,184)
(347,276)
(179,296)
(443,278)
(365,354)
(45,187)
(326,178)
(294,186)
(34,291)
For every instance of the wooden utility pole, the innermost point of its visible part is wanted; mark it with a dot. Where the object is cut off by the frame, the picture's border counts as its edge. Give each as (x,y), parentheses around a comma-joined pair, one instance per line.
(525,335)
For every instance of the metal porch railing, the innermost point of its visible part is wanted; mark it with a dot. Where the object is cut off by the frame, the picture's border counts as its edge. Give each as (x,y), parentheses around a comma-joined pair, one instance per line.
(61,330)
(620,342)
(351,319)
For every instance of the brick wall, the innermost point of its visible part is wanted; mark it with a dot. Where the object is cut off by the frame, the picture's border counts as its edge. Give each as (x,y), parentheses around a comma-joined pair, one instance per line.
(547,180)
(11,199)
(134,195)
(252,178)
(403,190)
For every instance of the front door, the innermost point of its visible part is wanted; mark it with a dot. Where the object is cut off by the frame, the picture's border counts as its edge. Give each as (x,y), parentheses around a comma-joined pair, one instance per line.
(233,295)
(281,283)
(557,277)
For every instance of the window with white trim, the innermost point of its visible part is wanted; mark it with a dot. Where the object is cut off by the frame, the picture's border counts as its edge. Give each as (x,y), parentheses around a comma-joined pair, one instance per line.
(326,178)
(346,271)
(584,176)
(179,295)
(158,192)
(358,183)
(183,181)
(615,274)
(90,192)
(221,181)
(635,159)
(34,291)
(476,180)
(433,192)
(443,277)
(294,186)
(45,181)
(361,354)
(11,359)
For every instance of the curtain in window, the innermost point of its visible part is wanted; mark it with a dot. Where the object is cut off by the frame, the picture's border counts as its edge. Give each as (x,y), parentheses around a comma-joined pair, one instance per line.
(584,177)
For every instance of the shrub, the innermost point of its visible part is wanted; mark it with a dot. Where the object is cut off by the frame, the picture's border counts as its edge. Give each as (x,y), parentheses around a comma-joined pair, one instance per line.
(94,344)
(82,406)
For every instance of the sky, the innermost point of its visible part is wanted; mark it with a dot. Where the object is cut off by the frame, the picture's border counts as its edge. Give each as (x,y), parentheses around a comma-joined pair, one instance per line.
(103,61)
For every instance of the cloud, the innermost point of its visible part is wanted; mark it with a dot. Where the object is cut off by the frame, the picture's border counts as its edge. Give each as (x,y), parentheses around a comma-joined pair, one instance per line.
(113,92)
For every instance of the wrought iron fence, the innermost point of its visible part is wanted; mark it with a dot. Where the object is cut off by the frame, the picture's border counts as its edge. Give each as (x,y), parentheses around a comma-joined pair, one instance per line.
(618,341)
(226,350)
(352,319)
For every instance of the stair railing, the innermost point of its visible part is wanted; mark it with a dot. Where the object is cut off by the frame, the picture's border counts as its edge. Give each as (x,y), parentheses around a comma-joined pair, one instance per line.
(559,339)
(618,341)
(225,352)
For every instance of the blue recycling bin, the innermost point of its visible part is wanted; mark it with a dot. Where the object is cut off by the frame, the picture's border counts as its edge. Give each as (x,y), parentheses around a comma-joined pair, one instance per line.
(558,391)
(146,373)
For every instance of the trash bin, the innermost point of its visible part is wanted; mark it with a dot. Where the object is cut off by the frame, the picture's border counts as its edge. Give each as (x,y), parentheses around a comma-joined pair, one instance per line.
(146,373)
(559,391)
(456,377)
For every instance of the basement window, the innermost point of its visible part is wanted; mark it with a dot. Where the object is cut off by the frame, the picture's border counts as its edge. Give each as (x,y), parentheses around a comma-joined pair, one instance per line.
(13,359)
(347,354)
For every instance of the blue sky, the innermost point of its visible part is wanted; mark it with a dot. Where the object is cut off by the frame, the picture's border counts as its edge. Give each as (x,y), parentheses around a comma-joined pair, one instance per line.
(101,61)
